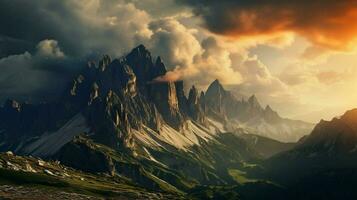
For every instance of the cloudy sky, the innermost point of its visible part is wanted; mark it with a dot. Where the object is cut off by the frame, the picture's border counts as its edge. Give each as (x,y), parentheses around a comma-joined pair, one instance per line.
(299,56)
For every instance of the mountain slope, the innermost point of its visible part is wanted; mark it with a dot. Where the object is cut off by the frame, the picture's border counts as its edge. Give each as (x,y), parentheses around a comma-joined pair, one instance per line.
(265,146)
(325,159)
(329,140)
(337,137)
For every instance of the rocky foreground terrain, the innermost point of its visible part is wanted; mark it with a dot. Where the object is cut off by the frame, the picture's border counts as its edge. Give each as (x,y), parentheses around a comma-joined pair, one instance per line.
(32,193)
(33,178)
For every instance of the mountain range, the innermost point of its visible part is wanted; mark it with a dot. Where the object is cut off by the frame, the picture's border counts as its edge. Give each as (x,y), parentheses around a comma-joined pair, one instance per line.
(113,100)
(118,121)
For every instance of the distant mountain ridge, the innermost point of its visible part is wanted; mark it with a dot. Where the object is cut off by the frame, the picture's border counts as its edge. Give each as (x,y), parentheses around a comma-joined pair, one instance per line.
(223,106)
(335,139)
(331,145)
(323,163)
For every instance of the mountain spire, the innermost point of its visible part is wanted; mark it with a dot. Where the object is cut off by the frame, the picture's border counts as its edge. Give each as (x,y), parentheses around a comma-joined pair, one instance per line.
(215,88)
(193,95)
(253,101)
(158,60)
(216,83)
(140,48)
(159,69)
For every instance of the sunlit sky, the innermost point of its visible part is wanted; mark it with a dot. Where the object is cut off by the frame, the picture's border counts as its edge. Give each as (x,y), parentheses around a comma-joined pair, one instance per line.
(298,56)
(323,87)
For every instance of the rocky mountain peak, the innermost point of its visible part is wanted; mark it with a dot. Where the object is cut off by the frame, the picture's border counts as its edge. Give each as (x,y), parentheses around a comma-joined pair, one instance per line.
(216,82)
(95,93)
(196,105)
(140,60)
(182,100)
(141,50)
(268,109)
(215,89)
(91,64)
(159,69)
(350,118)
(164,96)
(118,77)
(104,62)
(253,101)
(140,53)
(202,101)
(11,104)
(158,61)
(215,85)
(270,115)
(193,95)
(129,82)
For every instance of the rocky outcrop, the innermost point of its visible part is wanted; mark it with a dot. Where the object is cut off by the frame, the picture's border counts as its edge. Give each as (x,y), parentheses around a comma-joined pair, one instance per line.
(202,102)
(78,151)
(214,98)
(106,60)
(12,106)
(118,77)
(122,95)
(181,97)
(195,110)
(270,115)
(140,60)
(164,96)
(159,68)
(220,103)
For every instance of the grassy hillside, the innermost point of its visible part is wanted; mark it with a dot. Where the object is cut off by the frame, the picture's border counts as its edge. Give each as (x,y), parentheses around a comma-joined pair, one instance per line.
(38,174)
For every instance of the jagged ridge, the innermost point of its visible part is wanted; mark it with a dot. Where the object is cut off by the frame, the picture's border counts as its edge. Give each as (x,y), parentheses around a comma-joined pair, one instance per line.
(133,125)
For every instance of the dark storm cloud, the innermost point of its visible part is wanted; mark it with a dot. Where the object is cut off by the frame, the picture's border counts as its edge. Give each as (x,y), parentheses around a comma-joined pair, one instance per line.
(29,22)
(329,23)
(80,27)
(10,46)
(29,71)
(28,77)
(38,76)
(43,43)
